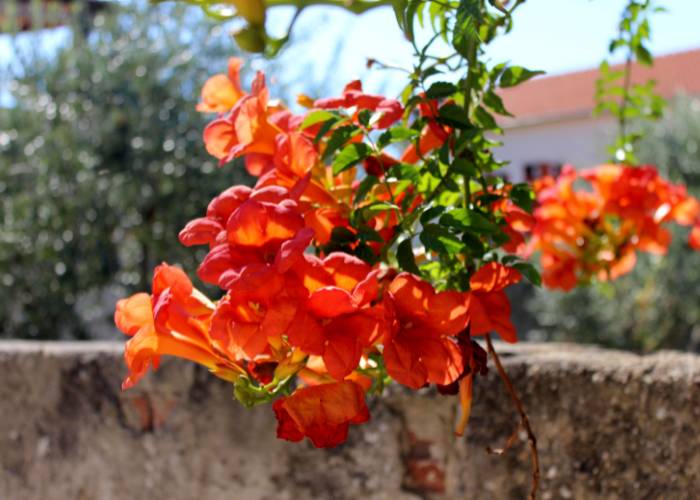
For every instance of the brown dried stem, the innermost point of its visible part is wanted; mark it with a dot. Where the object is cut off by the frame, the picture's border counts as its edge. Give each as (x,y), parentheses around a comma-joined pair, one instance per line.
(524,420)
(509,443)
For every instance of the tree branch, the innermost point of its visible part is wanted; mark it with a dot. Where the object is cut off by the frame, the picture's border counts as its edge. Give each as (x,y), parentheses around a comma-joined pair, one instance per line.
(354,6)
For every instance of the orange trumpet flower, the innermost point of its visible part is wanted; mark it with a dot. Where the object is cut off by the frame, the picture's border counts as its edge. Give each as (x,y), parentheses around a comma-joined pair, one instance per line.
(323,413)
(418,347)
(173,321)
(221,92)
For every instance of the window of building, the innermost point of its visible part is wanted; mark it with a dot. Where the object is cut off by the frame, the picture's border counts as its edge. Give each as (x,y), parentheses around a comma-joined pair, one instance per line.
(542,169)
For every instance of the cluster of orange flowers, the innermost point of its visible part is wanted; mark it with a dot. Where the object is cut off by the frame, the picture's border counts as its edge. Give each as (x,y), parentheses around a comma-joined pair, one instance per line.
(590,224)
(310,330)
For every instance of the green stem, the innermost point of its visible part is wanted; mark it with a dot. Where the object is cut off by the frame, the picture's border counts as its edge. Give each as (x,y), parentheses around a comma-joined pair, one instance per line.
(622,118)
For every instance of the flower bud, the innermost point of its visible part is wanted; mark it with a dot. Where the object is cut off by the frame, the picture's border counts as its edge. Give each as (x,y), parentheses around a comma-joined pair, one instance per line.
(305,100)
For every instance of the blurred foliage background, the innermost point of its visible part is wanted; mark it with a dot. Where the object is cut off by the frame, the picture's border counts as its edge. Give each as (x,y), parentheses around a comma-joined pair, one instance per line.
(102,163)
(657,305)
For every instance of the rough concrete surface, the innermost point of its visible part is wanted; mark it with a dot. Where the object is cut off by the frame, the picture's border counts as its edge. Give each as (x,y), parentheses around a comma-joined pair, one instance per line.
(609,425)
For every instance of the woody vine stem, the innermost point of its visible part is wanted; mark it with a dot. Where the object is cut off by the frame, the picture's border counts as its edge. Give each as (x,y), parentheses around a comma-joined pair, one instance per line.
(524,420)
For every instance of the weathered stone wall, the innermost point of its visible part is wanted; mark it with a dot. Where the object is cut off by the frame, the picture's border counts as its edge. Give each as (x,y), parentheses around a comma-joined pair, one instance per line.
(609,424)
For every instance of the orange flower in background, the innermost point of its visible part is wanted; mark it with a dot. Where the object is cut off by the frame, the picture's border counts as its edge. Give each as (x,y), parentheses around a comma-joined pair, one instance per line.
(173,321)
(489,307)
(596,232)
(221,92)
(559,271)
(639,192)
(564,221)
(323,413)
(418,347)
(694,239)
(516,221)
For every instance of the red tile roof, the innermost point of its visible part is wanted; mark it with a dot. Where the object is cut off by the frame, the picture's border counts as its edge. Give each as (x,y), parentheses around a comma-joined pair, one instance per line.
(550,98)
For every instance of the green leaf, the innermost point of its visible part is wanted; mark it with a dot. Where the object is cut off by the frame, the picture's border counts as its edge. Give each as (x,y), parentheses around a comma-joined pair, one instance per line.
(364,252)
(368,234)
(380,206)
(469,220)
(339,138)
(440,89)
(523,196)
(437,238)
(529,271)
(485,118)
(454,116)
(427,73)
(342,235)
(464,168)
(465,31)
(508,260)
(365,186)
(399,7)
(405,171)
(494,102)
(364,116)
(396,134)
(409,16)
(324,128)
(350,156)
(318,116)
(407,93)
(643,55)
(474,244)
(431,213)
(514,75)
(405,257)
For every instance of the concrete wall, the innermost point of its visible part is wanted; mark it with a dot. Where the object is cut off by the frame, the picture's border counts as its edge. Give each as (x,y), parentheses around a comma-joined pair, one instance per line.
(609,424)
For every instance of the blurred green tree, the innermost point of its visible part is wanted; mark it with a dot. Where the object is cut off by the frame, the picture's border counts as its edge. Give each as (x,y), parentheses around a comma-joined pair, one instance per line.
(101,164)
(657,306)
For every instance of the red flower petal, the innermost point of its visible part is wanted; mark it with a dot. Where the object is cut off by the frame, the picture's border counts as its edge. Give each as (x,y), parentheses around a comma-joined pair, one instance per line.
(322,413)
(490,312)
(331,301)
(202,231)
(494,276)
(306,333)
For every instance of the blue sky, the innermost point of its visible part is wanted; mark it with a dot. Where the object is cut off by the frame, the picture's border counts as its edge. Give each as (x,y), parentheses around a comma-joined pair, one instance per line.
(552,35)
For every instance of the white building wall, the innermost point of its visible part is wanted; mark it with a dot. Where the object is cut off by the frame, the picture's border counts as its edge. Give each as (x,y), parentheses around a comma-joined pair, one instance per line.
(581,142)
